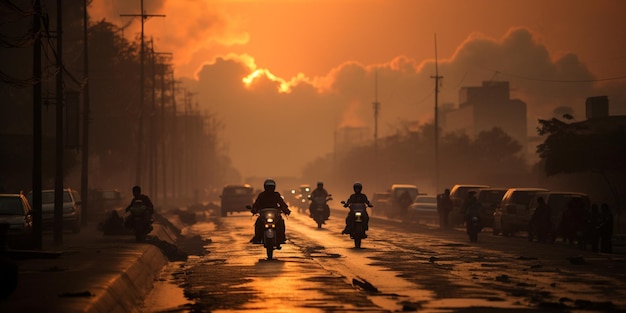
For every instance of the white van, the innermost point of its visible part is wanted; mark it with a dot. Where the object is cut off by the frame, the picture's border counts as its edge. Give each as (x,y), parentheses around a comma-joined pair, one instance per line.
(514,213)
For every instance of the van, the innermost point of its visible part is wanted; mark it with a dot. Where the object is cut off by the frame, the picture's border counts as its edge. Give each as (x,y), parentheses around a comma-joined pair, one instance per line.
(400,198)
(235,198)
(489,199)
(514,212)
(380,201)
(558,202)
(458,194)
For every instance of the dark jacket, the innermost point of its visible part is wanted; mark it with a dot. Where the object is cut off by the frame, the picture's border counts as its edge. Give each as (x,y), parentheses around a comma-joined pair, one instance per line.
(145,200)
(357,198)
(270,199)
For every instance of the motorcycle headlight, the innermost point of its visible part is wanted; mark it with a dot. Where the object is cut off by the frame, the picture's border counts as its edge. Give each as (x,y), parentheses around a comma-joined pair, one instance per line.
(357,214)
(270,220)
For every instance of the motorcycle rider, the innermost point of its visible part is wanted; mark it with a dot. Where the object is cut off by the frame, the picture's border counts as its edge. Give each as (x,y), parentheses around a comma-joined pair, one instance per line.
(269,198)
(145,200)
(356,197)
(322,193)
(471,207)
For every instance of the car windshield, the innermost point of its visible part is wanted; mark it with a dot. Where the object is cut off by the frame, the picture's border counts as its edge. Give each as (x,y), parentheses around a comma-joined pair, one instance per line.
(522,197)
(237,191)
(561,201)
(425,200)
(411,191)
(491,196)
(48,197)
(11,206)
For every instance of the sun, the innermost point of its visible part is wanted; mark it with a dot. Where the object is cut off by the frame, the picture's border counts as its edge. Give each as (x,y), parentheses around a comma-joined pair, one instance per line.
(283,86)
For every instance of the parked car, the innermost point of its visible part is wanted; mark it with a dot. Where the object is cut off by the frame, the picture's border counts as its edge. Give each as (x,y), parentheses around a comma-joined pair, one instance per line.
(72,209)
(514,213)
(235,198)
(489,199)
(424,208)
(458,194)
(16,213)
(380,202)
(558,202)
(400,198)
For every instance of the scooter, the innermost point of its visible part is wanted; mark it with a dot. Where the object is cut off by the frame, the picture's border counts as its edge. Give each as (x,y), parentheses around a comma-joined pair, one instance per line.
(269,218)
(473,228)
(140,220)
(320,209)
(359,220)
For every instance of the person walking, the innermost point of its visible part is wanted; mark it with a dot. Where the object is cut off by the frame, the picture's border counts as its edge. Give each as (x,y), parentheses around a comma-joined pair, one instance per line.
(540,222)
(444,207)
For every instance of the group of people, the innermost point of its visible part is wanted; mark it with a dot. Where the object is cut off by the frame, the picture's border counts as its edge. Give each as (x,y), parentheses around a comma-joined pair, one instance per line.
(270,198)
(577,226)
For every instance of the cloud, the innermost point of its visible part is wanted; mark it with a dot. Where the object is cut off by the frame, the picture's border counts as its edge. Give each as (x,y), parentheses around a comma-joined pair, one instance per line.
(273,130)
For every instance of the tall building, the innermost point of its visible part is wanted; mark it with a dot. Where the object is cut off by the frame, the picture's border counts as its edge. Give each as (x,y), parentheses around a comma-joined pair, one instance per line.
(488,106)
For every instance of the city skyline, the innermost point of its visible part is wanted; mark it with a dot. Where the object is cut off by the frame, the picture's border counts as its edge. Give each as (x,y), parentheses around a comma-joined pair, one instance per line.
(284,66)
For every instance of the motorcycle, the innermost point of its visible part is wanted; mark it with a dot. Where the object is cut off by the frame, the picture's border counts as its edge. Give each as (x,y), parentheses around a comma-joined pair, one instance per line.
(358,224)
(140,220)
(269,218)
(320,210)
(473,228)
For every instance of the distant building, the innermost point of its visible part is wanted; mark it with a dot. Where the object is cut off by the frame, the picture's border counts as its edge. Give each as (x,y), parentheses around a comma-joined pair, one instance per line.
(488,106)
(598,119)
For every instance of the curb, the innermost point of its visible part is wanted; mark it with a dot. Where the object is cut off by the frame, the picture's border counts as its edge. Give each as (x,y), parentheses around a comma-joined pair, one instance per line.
(126,292)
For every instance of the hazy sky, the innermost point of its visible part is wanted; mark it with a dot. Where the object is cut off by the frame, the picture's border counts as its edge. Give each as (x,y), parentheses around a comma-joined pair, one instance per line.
(282,75)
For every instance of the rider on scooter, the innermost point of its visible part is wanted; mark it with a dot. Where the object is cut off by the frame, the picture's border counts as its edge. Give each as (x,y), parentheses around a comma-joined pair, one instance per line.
(356,197)
(145,200)
(322,193)
(269,198)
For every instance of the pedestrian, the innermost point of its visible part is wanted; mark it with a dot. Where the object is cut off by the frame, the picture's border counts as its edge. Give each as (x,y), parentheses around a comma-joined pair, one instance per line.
(444,207)
(605,229)
(573,222)
(540,222)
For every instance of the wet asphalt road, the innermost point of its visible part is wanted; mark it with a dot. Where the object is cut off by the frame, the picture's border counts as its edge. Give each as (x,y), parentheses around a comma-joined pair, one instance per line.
(401,267)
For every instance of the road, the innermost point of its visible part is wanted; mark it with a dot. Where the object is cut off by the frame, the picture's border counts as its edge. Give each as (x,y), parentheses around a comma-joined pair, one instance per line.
(401,267)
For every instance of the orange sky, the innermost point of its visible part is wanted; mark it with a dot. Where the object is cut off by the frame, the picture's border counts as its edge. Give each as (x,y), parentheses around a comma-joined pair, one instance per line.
(332,47)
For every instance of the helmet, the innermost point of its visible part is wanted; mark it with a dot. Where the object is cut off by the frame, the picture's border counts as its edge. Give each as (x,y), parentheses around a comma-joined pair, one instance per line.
(357,187)
(320,184)
(269,185)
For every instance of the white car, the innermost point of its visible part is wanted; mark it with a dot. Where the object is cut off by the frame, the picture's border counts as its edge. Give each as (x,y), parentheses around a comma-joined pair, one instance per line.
(424,208)
(16,214)
(72,209)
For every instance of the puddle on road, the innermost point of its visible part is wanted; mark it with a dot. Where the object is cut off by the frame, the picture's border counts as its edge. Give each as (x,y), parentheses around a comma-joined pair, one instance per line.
(166,296)
(444,305)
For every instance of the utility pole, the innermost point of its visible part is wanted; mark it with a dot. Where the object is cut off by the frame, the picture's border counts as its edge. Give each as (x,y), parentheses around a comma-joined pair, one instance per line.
(437,78)
(58,177)
(162,122)
(141,91)
(37,133)
(376,105)
(84,177)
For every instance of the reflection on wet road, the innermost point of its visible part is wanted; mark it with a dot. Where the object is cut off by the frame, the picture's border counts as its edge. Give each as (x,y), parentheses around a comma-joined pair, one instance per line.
(401,267)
